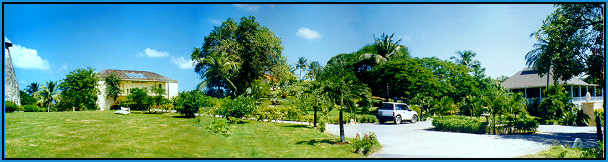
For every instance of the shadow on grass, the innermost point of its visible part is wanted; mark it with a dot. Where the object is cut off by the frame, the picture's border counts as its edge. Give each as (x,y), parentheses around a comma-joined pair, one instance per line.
(180,116)
(319,141)
(589,139)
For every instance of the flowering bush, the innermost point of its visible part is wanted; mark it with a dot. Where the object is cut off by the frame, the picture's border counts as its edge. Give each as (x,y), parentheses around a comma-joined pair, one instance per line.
(365,144)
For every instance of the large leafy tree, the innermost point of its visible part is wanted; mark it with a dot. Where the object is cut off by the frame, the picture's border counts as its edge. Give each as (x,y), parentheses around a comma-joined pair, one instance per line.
(253,48)
(79,90)
(112,86)
(571,42)
(26,98)
(314,69)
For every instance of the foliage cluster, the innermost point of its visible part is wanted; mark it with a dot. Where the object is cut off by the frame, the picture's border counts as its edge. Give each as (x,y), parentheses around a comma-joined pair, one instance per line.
(365,144)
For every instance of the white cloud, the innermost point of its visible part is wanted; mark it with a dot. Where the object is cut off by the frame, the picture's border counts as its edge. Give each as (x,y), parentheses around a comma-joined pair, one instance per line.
(153,53)
(27,58)
(307,33)
(182,62)
(247,7)
(215,21)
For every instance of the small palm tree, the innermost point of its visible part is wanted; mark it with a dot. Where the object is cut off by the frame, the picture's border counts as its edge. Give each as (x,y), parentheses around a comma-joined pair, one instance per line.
(48,94)
(301,64)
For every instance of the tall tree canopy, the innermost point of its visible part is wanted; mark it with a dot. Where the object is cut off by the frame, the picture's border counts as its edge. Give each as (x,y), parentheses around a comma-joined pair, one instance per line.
(235,54)
(79,90)
(571,43)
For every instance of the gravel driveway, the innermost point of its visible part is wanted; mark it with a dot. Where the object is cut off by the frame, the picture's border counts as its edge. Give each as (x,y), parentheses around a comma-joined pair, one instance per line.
(418,140)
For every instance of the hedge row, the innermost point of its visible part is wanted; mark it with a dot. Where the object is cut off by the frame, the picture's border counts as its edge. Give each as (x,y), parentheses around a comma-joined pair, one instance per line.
(460,124)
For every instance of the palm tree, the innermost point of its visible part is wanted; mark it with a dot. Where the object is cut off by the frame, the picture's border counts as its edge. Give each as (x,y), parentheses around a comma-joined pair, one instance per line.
(385,47)
(32,88)
(541,57)
(48,94)
(301,64)
(313,70)
(343,89)
(218,67)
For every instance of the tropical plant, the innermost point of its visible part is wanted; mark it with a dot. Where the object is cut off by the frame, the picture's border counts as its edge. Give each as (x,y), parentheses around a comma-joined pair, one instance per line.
(466,58)
(385,47)
(571,42)
(187,103)
(26,99)
(138,97)
(32,88)
(235,54)
(48,94)
(314,70)
(10,106)
(238,107)
(302,64)
(113,87)
(343,89)
(79,90)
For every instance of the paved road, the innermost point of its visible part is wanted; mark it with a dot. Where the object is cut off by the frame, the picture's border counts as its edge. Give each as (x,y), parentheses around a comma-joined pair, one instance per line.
(418,140)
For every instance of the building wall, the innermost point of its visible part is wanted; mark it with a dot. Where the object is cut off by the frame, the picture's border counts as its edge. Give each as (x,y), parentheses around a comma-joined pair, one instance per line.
(172,90)
(11,88)
(105,102)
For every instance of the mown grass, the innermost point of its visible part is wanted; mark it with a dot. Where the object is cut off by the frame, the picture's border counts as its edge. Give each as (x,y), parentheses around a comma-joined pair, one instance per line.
(95,134)
(558,152)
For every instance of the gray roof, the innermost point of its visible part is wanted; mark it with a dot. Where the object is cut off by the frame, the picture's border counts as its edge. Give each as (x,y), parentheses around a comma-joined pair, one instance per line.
(136,75)
(530,79)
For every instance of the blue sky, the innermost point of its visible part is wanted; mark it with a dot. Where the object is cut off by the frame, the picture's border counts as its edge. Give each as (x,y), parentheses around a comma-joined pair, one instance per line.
(51,40)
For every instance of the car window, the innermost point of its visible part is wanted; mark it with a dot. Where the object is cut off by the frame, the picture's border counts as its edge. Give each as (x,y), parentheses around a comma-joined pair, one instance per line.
(386,106)
(400,107)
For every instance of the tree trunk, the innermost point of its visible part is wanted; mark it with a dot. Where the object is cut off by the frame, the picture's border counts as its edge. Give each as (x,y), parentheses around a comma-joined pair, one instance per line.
(314,118)
(494,123)
(341,122)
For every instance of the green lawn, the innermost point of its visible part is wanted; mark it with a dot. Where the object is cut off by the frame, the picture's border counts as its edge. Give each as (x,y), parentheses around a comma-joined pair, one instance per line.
(558,152)
(95,134)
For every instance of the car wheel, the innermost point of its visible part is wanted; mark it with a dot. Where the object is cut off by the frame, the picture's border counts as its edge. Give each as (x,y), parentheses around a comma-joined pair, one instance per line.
(380,121)
(414,118)
(398,120)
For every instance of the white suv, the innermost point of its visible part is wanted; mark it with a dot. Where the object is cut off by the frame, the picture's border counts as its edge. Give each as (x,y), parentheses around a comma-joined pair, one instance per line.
(396,112)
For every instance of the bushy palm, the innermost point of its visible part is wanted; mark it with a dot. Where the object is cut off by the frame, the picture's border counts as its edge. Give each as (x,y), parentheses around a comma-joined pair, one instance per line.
(32,88)
(386,46)
(219,67)
(48,94)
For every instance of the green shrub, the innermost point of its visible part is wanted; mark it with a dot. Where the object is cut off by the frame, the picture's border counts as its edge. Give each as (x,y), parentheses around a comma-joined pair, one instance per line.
(519,124)
(238,107)
(365,144)
(33,108)
(460,124)
(186,103)
(10,106)
(367,119)
(219,126)
(574,116)
(594,152)
(138,99)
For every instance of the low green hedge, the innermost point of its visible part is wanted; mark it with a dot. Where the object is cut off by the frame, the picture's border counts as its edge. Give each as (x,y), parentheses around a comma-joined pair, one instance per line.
(10,106)
(33,108)
(460,124)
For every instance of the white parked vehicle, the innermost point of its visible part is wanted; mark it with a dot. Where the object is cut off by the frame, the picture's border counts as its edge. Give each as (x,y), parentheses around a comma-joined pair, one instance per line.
(398,112)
